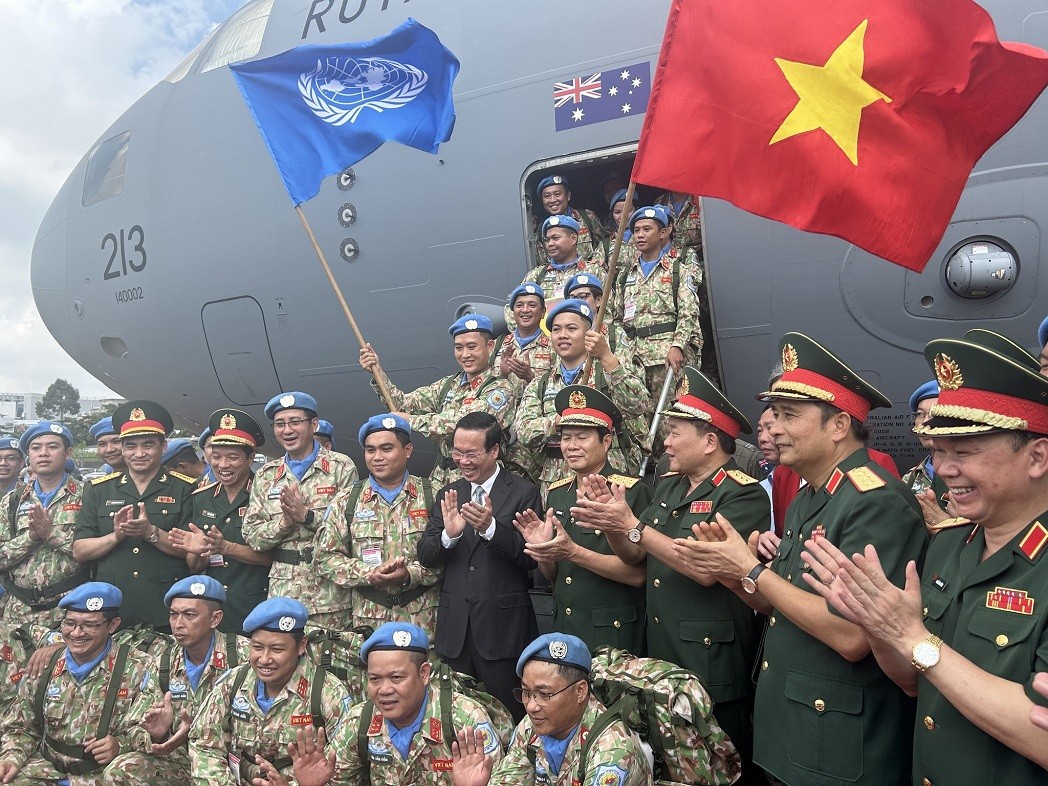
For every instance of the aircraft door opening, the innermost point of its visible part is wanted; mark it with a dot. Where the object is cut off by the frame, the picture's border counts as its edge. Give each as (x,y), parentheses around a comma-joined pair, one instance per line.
(235,331)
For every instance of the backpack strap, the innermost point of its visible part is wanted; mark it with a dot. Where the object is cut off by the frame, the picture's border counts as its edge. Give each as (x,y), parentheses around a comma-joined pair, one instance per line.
(596,238)
(17,494)
(238,683)
(41,688)
(232,656)
(498,348)
(316,695)
(119,667)
(351,507)
(165,669)
(543,384)
(447,701)
(617,711)
(427,493)
(366,716)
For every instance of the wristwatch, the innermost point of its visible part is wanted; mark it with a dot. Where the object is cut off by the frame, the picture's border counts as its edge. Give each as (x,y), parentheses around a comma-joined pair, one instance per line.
(926,653)
(634,534)
(310,516)
(155,536)
(749,581)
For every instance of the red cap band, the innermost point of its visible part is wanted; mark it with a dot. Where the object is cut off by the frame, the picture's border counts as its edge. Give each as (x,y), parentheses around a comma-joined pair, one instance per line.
(1035,415)
(237,434)
(135,426)
(717,418)
(603,417)
(844,399)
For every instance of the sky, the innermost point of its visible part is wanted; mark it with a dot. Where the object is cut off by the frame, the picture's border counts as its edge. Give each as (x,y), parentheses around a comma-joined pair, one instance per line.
(70,68)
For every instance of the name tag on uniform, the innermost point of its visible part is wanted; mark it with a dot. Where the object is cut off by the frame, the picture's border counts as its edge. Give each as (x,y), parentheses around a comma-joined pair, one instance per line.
(419,513)
(629,310)
(666,279)
(371,556)
(301,720)
(325,490)
(72,506)
(166,500)
(115,502)
(440,765)
(242,511)
(701,506)
(208,514)
(25,507)
(216,561)
(274,493)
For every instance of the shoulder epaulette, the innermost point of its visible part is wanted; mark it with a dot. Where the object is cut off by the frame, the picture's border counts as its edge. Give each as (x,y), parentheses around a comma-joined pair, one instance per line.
(198,489)
(669,475)
(741,477)
(622,480)
(562,482)
(186,478)
(865,479)
(104,478)
(1034,541)
(957,521)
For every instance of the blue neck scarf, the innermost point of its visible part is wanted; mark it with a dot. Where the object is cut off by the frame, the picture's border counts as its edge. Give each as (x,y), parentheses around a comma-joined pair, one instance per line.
(647,267)
(388,494)
(194,671)
(45,497)
(563,265)
(81,670)
(401,738)
(299,468)
(523,342)
(264,702)
(571,374)
(929,469)
(555,749)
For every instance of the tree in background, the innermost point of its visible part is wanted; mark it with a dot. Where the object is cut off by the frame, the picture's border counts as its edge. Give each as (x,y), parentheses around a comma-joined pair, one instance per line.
(80,424)
(60,400)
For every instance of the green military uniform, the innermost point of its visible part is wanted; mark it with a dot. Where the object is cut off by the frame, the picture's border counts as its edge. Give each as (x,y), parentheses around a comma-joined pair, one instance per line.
(246,585)
(294,570)
(597,610)
(137,567)
(352,543)
(231,728)
(435,409)
(536,417)
(615,757)
(429,758)
(37,573)
(819,718)
(71,713)
(591,236)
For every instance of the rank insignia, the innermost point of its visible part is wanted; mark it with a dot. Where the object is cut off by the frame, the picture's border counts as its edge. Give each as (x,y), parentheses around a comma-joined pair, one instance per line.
(325,464)
(7,654)
(219,660)
(1007,599)
(242,511)
(436,733)
(719,477)
(835,480)
(1034,540)
(303,687)
(701,506)
(376,724)
(228,421)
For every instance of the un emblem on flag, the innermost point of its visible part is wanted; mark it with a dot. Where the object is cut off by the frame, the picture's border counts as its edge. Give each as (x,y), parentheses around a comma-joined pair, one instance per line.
(340,88)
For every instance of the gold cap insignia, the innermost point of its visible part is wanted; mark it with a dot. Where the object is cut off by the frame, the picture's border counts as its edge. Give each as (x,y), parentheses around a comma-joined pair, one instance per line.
(577,400)
(789,358)
(683,387)
(228,421)
(137,414)
(947,372)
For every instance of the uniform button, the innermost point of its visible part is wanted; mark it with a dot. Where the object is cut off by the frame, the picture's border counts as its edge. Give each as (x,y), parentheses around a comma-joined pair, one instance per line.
(472,567)
(225,588)
(924,611)
(228,519)
(764,666)
(707,641)
(789,577)
(676,513)
(135,550)
(820,705)
(789,533)
(929,722)
(617,624)
(164,511)
(656,620)
(135,574)
(655,521)
(111,515)
(568,612)
(771,621)
(657,583)
(567,580)
(596,532)
(1002,640)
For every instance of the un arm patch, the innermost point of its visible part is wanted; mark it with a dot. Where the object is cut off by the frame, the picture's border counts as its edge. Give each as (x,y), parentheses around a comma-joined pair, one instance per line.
(609,775)
(497,400)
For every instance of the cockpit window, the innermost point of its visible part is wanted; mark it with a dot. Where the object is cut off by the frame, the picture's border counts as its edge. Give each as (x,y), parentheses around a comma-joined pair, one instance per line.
(106,165)
(238,38)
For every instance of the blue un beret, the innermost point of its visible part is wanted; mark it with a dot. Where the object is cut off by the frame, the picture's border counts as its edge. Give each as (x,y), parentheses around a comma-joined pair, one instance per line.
(620,196)
(92,596)
(42,428)
(1042,333)
(469,323)
(384,422)
(174,447)
(565,222)
(552,180)
(326,429)
(583,280)
(205,435)
(280,615)
(561,648)
(530,288)
(102,428)
(929,389)
(10,443)
(196,588)
(396,636)
(573,305)
(654,212)
(292,400)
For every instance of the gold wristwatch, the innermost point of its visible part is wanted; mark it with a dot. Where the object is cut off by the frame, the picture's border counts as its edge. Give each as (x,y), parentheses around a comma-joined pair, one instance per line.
(926,653)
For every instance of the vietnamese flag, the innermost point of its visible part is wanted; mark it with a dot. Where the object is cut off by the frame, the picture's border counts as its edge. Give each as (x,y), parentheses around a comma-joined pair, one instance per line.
(859,119)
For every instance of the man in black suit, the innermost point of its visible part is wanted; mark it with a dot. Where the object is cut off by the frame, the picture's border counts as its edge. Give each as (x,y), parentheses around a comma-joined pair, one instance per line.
(485,619)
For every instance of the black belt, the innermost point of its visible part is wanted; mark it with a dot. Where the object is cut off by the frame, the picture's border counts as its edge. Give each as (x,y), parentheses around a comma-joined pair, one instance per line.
(650,330)
(84,766)
(46,598)
(390,600)
(293,556)
(247,760)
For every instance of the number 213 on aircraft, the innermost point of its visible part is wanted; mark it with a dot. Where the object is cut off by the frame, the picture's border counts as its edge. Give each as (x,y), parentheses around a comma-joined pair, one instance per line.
(126,251)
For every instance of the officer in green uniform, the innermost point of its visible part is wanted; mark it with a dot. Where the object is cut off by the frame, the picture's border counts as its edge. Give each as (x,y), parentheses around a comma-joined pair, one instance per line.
(693,620)
(123,527)
(824,711)
(215,541)
(597,596)
(969,633)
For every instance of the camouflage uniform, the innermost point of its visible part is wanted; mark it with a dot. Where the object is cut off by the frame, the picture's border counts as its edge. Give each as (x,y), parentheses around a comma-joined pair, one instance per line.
(656,317)
(537,417)
(435,409)
(538,354)
(552,280)
(591,233)
(615,757)
(227,758)
(293,573)
(427,764)
(353,543)
(38,573)
(918,480)
(246,585)
(70,715)
(173,769)
(17,643)
(141,571)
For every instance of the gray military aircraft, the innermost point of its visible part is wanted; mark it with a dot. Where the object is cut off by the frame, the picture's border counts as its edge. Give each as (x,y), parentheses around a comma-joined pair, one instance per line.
(171,265)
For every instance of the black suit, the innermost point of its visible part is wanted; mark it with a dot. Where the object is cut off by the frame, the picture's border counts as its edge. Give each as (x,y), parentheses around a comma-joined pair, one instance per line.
(485,619)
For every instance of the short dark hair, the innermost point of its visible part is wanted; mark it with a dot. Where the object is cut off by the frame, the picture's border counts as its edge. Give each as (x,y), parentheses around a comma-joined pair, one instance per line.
(724,442)
(402,438)
(481,421)
(572,673)
(417,658)
(859,430)
(188,453)
(1020,439)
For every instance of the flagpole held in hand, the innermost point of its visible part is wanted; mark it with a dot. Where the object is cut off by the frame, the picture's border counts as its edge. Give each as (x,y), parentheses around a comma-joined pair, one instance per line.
(657,418)
(380,375)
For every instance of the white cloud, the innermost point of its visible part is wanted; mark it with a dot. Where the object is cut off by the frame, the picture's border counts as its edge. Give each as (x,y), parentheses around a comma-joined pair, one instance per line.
(71,67)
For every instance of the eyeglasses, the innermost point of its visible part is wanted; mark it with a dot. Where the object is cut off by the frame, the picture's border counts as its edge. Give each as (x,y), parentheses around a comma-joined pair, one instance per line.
(86,627)
(471,455)
(919,416)
(293,422)
(11,459)
(540,696)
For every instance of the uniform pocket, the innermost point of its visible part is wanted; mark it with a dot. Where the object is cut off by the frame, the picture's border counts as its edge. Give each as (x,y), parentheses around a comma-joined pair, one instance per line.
(1001,642)
(715,638)
(824,725)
